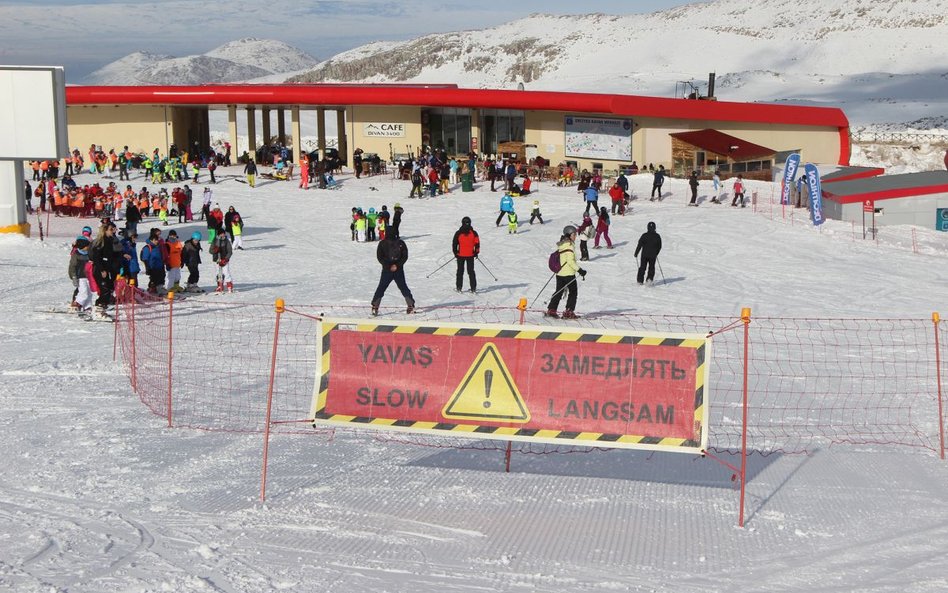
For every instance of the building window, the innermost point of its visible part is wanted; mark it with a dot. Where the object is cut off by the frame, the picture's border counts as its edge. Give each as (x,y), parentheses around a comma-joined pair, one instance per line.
(500,125)
(447,129)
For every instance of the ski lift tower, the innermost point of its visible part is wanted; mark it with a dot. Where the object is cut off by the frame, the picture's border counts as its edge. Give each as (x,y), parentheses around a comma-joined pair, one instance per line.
(686,89)
(32,128)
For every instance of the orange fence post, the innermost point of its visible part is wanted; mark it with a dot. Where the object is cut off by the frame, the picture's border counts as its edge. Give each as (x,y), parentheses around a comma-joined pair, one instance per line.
(170,348)
(522,307)
(746,319)
(134,356)
(941,414)
(118,291)
(280,308)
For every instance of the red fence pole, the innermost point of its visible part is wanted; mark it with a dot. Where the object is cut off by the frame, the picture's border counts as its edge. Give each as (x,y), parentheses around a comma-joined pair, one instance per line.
(746,319)
(134,356)
(941,414)
(118,299)
(170,348)
(280,307)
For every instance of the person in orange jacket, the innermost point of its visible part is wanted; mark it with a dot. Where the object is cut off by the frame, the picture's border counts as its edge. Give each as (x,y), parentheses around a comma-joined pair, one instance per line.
(304,171)
(172,248)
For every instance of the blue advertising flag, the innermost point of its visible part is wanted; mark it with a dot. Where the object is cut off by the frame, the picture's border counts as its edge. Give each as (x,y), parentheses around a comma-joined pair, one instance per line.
(816,193)
(789,172)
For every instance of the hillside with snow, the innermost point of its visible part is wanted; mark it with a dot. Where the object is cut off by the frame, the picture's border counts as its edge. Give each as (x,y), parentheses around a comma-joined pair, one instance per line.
(234,61)
(856,54)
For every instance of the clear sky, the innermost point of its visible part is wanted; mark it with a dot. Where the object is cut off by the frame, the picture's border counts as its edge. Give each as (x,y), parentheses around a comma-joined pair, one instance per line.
(84,36)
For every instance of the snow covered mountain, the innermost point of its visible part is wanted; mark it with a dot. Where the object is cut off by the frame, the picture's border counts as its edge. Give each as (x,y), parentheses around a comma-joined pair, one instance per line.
(232,62)
(859,52)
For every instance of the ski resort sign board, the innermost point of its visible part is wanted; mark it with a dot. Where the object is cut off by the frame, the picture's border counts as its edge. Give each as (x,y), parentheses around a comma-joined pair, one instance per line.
(515,382)
(383,130)
(598,138)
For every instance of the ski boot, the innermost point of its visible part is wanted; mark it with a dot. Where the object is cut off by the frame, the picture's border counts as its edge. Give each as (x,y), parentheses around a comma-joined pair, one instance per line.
(220,288)
(567,314)
(551,313)
(230,287)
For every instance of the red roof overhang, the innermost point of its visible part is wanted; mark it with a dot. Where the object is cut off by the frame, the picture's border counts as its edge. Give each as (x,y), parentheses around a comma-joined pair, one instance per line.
(723,144)
(448,96)
(885,194)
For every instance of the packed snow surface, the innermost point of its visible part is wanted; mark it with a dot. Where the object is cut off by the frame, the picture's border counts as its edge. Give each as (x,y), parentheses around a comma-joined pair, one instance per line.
(96,494)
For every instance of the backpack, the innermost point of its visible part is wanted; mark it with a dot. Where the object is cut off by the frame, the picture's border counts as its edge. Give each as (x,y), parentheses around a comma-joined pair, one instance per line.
(554,263)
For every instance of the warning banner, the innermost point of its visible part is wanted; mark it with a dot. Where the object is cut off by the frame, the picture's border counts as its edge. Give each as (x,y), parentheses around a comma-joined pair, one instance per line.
(564,386)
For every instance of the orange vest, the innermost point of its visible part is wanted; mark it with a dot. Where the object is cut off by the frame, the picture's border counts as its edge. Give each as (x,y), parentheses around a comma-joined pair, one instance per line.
(155,204)
(79,200)
(173,251)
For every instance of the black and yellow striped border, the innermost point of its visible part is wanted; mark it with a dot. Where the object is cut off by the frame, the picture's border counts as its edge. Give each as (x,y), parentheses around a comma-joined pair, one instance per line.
(700,344)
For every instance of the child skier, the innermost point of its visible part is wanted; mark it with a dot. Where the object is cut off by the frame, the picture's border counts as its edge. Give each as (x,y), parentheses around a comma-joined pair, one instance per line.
(191,257)
(173,249)
(371,223)
(352,225)
(535,213)
(602,228)
(80,268)
(585,232)
(154,262)
(237,230)
(360,226)
(738,191)
(222,251)
(511,222)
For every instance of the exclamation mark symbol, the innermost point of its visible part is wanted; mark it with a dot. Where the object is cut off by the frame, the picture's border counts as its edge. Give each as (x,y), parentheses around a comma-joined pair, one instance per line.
(488,379)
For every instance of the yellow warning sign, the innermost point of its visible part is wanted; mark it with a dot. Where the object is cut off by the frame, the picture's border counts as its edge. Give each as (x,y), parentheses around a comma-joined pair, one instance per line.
(487,392)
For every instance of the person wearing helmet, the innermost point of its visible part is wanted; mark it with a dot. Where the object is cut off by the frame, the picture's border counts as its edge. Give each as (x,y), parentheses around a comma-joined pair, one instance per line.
(466,247)
(191,258)
(650,244)
(566,276)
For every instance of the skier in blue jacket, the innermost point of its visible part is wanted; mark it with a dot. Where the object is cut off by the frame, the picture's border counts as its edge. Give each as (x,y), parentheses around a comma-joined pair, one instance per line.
(506,206)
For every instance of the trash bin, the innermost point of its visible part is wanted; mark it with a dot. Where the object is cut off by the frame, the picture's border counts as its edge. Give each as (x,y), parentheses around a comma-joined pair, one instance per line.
(467,182)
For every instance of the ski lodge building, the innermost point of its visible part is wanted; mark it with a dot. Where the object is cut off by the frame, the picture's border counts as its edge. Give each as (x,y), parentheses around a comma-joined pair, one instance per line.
(591,131)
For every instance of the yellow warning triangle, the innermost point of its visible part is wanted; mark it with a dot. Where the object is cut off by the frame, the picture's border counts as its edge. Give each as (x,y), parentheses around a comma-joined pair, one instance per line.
(487,392)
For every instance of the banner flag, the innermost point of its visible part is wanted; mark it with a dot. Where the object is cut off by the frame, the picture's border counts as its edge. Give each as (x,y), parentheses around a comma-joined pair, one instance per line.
(816,193)
(789,172)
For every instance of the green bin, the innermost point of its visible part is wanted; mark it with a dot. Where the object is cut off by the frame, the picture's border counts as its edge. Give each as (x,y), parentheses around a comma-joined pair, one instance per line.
(467,182)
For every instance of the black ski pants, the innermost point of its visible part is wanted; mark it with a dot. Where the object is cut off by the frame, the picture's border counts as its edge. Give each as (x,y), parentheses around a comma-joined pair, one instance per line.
(568,285)
(385,279)
(472,276)
(643,263)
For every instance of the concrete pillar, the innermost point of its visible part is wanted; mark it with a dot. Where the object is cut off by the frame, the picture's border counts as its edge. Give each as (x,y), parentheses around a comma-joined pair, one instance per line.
(252,133)
(321,130)
(281,126)
(265,112)
(475,130)
(232,130)
(12,204)
(295,130)
(342,141)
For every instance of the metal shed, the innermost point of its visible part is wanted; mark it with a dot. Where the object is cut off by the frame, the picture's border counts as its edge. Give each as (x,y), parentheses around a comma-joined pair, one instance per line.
(914,198)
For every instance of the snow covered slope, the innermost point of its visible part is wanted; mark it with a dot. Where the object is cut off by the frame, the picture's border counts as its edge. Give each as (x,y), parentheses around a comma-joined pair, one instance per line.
(96,494)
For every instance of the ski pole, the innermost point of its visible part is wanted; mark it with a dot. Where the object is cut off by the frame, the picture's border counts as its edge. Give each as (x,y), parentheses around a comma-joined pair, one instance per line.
(486,268)
(438,268)
(562,289)
(660,270)
(542,289)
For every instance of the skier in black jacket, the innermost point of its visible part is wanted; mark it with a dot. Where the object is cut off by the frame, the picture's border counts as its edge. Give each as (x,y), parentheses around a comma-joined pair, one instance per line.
(650,244)
(392,253)
(657,182)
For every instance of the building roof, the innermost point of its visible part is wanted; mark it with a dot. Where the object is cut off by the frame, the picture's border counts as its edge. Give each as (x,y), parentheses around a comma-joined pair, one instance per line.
(887,187)
(725,145)
(451,96)
(851,173)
